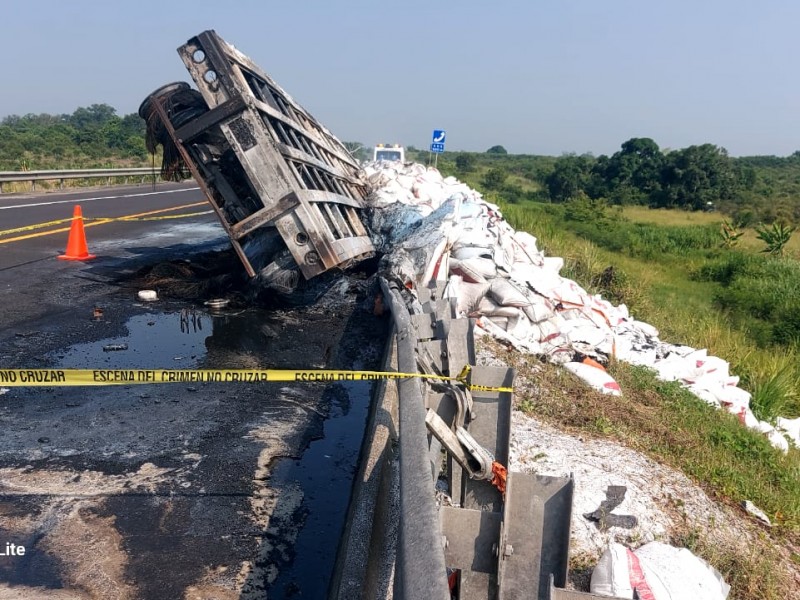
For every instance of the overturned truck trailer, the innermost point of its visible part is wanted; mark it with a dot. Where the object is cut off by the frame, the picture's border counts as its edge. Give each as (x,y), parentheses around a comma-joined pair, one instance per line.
(286,190)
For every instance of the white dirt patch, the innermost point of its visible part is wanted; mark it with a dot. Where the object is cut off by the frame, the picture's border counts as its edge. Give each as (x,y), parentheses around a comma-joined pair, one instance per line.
(272,509)
(97,564)
(216,584)
(22,592)
(659,497)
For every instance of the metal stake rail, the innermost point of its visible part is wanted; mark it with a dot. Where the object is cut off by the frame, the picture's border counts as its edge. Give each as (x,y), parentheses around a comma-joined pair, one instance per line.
(274,174)
(420,572)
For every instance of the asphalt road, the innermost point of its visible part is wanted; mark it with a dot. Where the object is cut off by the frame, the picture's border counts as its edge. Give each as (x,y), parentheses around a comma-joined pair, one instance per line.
(168,491)
(35,227)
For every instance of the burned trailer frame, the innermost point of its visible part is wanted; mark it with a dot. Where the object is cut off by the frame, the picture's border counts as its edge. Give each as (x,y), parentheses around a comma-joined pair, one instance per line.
(271,171)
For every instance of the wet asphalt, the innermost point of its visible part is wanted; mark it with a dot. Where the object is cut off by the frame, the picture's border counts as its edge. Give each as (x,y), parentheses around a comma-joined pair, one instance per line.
(206,490)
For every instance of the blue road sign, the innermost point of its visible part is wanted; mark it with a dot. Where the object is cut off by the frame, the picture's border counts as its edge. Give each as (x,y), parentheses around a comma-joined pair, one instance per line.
(438,136)
(437,147)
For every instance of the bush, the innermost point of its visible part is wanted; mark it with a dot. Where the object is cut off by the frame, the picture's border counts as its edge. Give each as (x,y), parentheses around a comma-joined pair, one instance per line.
(724,269)
(512,193)
(465,162)
(642,240)
(761,293)
(585,210)
(495,178)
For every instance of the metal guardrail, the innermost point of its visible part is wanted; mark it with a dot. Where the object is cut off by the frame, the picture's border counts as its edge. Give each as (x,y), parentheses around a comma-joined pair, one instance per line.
(61,175)
(420,569)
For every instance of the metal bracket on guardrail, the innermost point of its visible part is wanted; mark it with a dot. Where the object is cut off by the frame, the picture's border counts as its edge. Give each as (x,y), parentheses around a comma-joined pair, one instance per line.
(473,458)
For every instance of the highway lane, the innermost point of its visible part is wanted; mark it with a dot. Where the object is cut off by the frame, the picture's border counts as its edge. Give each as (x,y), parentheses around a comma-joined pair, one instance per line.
(35,227)
(240,490)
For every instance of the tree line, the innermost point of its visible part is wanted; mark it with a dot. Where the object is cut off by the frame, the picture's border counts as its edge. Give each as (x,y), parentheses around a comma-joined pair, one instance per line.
(89,136)
(750,189)
(700,177)
(640,173)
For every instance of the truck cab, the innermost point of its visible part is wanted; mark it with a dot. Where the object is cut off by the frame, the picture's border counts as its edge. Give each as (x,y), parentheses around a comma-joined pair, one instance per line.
(389,152)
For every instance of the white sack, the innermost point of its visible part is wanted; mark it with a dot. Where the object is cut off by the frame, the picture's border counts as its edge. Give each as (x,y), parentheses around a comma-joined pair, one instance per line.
(658,571)
(597,379)
(474,270)
(506,293)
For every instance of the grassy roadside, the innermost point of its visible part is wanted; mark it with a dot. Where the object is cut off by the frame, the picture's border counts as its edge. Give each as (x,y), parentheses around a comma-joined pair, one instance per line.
(666,422)
(748,241)
(662,287)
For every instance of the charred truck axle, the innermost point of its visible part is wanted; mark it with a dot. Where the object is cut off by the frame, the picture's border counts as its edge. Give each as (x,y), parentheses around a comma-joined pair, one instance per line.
(286,190)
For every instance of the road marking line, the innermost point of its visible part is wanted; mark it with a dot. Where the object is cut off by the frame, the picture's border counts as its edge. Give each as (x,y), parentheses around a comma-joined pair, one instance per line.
(82,200)
(103,221)
(161,218)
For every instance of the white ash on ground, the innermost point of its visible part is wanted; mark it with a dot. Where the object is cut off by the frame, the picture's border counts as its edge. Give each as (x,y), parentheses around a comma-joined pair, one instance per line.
(662,500)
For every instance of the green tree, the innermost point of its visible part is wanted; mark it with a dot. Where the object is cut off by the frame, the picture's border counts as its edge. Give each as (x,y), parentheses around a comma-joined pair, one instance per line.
(496,150)
(88,135)
(571,175)
(695,176)
(631,175)
(358,150)
(95,115)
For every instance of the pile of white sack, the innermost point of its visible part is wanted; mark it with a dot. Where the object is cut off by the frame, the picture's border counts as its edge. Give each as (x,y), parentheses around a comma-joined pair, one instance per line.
(656,571)
(431,228)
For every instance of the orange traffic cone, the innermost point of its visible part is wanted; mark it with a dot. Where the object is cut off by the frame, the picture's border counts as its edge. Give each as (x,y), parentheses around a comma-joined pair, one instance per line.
(76,244)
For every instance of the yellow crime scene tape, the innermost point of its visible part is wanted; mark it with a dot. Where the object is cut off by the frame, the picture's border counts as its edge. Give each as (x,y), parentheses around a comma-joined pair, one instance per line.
(34,226)
(79,377)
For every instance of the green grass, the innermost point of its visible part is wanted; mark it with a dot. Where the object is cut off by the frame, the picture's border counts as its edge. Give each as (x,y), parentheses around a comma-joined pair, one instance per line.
(742,307)
(711,445)
(748,242)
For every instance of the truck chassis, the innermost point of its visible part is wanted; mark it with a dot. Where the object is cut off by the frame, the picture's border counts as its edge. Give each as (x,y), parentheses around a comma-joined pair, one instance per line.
(286,190)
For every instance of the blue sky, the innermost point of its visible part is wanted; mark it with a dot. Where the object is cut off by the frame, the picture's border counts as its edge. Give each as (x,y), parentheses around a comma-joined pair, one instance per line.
(537,76)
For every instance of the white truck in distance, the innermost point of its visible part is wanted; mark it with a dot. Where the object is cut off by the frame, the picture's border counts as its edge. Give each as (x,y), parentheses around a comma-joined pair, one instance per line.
(387,152)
